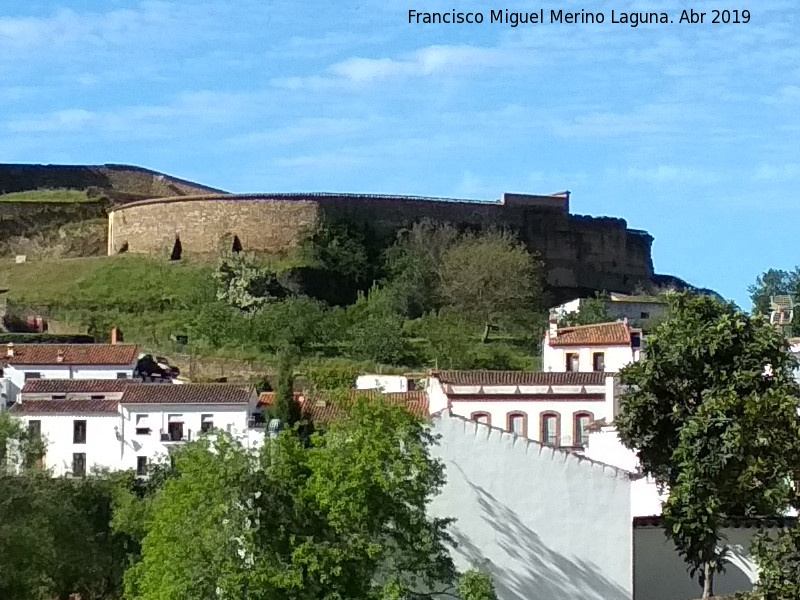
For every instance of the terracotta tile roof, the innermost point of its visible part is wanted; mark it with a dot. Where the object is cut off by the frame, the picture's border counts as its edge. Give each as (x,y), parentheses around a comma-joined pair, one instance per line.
(319,409)
(76,386)
(188,393)
(65,407)
(519,378)
(600,334)
(71,354)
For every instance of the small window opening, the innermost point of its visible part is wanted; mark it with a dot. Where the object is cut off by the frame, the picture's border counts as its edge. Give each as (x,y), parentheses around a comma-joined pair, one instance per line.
(237,244)
(177,249)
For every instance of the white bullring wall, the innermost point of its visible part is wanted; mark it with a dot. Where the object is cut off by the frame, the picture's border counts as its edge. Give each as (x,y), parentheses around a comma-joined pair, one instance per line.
(548,524)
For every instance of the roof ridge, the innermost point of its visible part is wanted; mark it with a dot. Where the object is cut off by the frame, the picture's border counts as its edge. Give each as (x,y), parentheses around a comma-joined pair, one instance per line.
(569,453)
(604,323)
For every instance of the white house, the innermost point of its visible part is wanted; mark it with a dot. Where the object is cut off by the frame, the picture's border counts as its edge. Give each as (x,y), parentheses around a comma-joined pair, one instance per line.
(24,362)
(639,310)
(125,425)
(603,347)
(391,384)
(554,408)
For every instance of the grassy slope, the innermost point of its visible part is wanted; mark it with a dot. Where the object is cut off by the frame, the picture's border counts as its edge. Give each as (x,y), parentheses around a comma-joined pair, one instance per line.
(151,300)
(59,195)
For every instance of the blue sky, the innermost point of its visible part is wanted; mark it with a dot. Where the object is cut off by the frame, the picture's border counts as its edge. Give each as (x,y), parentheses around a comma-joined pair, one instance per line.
(688,131)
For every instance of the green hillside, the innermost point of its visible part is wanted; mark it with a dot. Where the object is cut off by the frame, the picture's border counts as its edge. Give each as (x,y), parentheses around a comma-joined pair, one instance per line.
(58,195)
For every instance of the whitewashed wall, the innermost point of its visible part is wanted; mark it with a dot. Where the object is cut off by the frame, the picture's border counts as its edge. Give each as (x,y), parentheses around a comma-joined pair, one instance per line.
(555,358)
(548,524)
(606,447)
(660,573)
(101,448)
(227,417)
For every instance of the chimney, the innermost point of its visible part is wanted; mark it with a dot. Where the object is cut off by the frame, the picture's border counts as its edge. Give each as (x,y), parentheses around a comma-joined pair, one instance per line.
(10,349)
(60,356)
(114,335)
(553,328)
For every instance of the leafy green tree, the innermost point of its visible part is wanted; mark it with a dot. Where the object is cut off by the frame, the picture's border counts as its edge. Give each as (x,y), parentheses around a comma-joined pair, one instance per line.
(778,559)
(413,267)
(773,282)
(285,408)
(375,330)
(345,517)
(712,413)
(339,247)
(332,377)
(492,279)
(245,284)
(592,310)
(20,447)
(294,325)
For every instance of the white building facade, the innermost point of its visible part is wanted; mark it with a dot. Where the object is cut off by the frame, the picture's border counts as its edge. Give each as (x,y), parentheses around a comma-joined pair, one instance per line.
(603,347)
(553,408)
(25,362)
(128,428)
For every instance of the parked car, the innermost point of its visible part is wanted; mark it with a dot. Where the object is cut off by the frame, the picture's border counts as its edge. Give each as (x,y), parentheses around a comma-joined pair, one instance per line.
(155,367)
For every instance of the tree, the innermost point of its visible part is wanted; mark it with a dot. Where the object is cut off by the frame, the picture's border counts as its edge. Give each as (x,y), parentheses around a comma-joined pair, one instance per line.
(592,310)
(345,517)
(245,284)
(778,559)
(285,408)
(712,414)
(492,279)
(413,267)
(20,448)
(773,282)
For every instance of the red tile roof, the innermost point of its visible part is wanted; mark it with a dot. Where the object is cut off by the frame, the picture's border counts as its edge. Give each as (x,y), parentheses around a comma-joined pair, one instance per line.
(188,393)
(600,334)
(77,386)
(70,354)
(519,378)
(65,407)
(321,409)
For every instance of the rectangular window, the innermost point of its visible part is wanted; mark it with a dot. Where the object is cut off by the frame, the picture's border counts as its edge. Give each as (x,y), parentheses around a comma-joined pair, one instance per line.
(142,425)
(550,430)
(573,362)
(35,428)
(175,431)
(32,375)
(516,424)
(98,397)
(122,375)
(79,432)
(644,315)
(59,397)
(207,423)
(582,430)
(599,362)
(141,465)
(79,464)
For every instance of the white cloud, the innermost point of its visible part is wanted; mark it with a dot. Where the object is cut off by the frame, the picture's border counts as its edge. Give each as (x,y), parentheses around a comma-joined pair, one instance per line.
(661,174)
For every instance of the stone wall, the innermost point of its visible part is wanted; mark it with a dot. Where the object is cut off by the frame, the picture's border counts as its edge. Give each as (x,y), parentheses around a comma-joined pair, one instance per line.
(582,254)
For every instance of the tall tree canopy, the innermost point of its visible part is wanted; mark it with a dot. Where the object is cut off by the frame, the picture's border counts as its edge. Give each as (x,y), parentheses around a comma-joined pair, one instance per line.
(712,413)
(774,282)
(343,518)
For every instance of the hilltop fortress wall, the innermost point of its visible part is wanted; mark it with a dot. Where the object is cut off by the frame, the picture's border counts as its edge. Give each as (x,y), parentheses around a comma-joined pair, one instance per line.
(581,253)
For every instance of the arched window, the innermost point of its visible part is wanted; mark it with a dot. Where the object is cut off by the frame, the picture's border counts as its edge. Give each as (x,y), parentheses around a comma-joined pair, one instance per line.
(550,428)
(581,421)
(237,245)
(481,417)
(517,422)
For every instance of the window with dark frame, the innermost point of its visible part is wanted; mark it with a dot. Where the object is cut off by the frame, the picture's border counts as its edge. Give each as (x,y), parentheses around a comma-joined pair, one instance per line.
(550,426)
(98,397)
(142,426)
(79,431)
(79,464)
(175,430)
(32,375)
(573,362)
(599,362)
(581,433)
(644,315)
(517,423)
(141,465)
(206,423)
(122,375)
(482,417)
(35,428)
